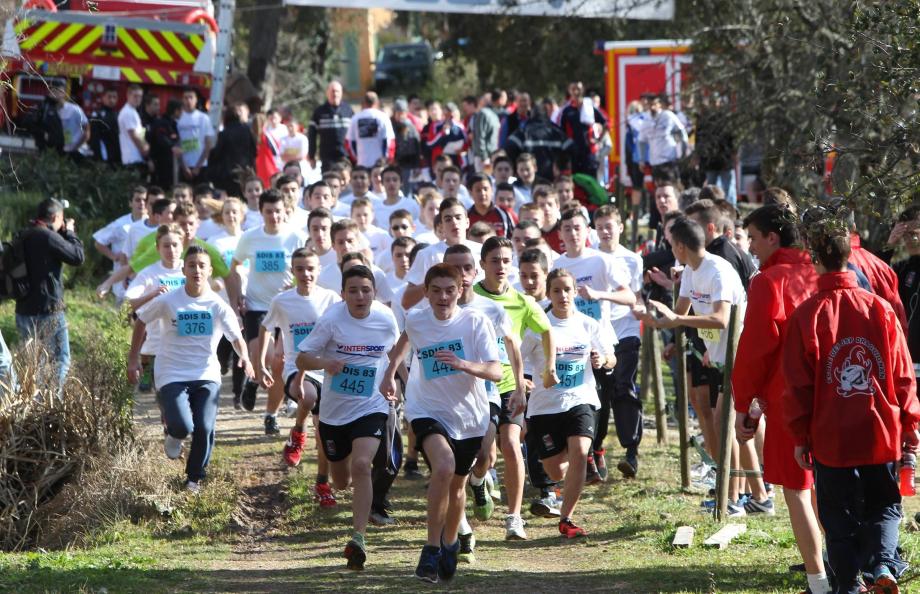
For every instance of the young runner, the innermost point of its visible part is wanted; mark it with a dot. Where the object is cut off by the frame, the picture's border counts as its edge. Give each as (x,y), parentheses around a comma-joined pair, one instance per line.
(268,249)
(193,320)
(393,198)
(349,342)
(319,226)
(345,239)
(110,240)
(562,416)
(296,312)
(252,189)
(454,351)
(602,284)
(508,418)
(378,240)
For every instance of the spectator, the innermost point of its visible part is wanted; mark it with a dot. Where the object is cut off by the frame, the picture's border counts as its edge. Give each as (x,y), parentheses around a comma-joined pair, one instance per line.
(234,152)
(542,139)
(164,145)
(74,124)
(329,126)
(295,148)
(486,127)
(49,243)
(196,137)
(660,132)
(408,143)
(131,141)
(370,134)
(577,121)
(517,120)
(104,129)
(268,151)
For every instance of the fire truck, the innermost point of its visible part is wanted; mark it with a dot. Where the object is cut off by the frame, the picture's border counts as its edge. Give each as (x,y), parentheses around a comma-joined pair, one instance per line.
(92,46)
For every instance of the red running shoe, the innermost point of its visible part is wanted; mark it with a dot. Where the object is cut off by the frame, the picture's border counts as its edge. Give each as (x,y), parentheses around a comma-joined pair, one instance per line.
(293,448)
(324,495)
(568,529)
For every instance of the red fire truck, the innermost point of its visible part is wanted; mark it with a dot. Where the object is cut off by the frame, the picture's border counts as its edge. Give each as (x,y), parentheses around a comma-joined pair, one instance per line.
(95,45)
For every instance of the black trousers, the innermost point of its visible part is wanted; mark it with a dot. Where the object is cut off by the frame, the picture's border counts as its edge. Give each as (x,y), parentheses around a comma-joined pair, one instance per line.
(618,393)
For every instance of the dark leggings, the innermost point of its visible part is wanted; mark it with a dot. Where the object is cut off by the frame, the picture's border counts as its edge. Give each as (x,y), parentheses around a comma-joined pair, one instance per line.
(228,358)
(617,392)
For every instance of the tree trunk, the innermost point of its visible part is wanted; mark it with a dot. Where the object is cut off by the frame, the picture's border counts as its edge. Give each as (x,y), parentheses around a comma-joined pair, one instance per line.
(263,42)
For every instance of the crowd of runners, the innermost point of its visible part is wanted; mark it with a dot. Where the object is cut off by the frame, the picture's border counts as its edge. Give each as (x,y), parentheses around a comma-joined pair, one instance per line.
(426,324)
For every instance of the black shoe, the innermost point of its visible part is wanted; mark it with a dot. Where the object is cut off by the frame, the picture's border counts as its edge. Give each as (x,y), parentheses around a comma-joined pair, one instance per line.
(248,397)
(427,568)
(237,402)
(411,471)
(629,466)
(591,475)
(601,464)
(271,425)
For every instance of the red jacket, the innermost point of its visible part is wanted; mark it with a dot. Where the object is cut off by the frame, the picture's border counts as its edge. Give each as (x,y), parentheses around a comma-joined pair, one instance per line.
(786,279)
(883,279)
(850,388)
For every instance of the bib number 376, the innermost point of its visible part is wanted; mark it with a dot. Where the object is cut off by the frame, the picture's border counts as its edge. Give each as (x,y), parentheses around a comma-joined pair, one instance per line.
(194,323)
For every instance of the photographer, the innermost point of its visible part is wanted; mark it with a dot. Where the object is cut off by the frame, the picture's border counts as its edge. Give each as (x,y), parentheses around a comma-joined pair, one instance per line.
(48,243)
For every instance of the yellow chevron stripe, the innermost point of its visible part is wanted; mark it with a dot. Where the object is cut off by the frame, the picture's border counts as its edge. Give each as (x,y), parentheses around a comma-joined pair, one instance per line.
(22,26)
(86,41)
(131,75)
(179,47)
(109,54)
(136,50)
(155,76)
(197,41)
(39,35)
(64,36)
(151,41)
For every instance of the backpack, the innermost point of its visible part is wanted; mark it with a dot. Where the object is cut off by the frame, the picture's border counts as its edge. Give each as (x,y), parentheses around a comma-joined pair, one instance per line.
(14,274)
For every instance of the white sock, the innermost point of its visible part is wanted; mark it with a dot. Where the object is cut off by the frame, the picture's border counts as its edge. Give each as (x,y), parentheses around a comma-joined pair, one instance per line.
(476,480)
(818,584)
(465,527)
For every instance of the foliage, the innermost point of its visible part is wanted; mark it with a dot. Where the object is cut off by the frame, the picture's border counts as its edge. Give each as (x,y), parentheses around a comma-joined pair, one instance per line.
(808,79)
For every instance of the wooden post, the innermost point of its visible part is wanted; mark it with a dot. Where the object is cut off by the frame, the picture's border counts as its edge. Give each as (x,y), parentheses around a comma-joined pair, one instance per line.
(724,472)
(661,418)
(683,411)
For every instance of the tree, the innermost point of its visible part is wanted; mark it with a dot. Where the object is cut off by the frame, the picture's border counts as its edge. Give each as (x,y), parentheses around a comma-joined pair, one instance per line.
(808,80)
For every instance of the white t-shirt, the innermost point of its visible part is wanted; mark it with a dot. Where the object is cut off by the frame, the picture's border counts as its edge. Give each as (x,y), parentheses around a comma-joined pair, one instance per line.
(226,245)
(434,254)
(137,231)
(598,271)
(74,122)
(659,132)
(437,391)
(192,327)
(378,240)
(151,279)
(501,324)
(297,315)
(129,119)
(371,131)
(115,234)
(363,345)
(253,219)
(194,130)
(298,218)
(207,229)
(575,337)
(330,277)
(269,259)
(625,323)
(294,148)
(714,280)
(382,210)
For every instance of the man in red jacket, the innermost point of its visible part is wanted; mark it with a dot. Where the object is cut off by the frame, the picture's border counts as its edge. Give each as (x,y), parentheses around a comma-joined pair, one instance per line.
(882,278)
(851,407)
(786,279)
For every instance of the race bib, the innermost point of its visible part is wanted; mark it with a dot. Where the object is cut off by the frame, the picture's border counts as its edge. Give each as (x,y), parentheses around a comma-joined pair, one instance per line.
(589,307)
(709,334)
(228,257)
(300,332)
(355,381)
(190,145)
(172,282)
(271,261)
(433,368)
(571,374)
(191,322)
(502,351)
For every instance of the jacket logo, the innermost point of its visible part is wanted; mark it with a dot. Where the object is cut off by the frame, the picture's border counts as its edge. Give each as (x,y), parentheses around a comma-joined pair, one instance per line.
(851,365)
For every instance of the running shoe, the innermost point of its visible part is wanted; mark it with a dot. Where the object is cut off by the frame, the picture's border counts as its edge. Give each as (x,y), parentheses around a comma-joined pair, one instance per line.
(736,509)
(411,471)
(380,517)
(467,548)
(545,507)
(447,561)
(883,581)
(514,528)
(601,464)
(628,466)
(427,568)
(248,397)
(568,529)
(355,554)
(483,506)
(193,487)
(172,447)
(237,402)
(290,408)
(293,448)
(271,425)
(323,493)
(754,507)
(591,475)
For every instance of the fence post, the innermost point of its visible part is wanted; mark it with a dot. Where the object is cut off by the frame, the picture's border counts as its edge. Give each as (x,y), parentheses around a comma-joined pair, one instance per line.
(724,472)
(657,380)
